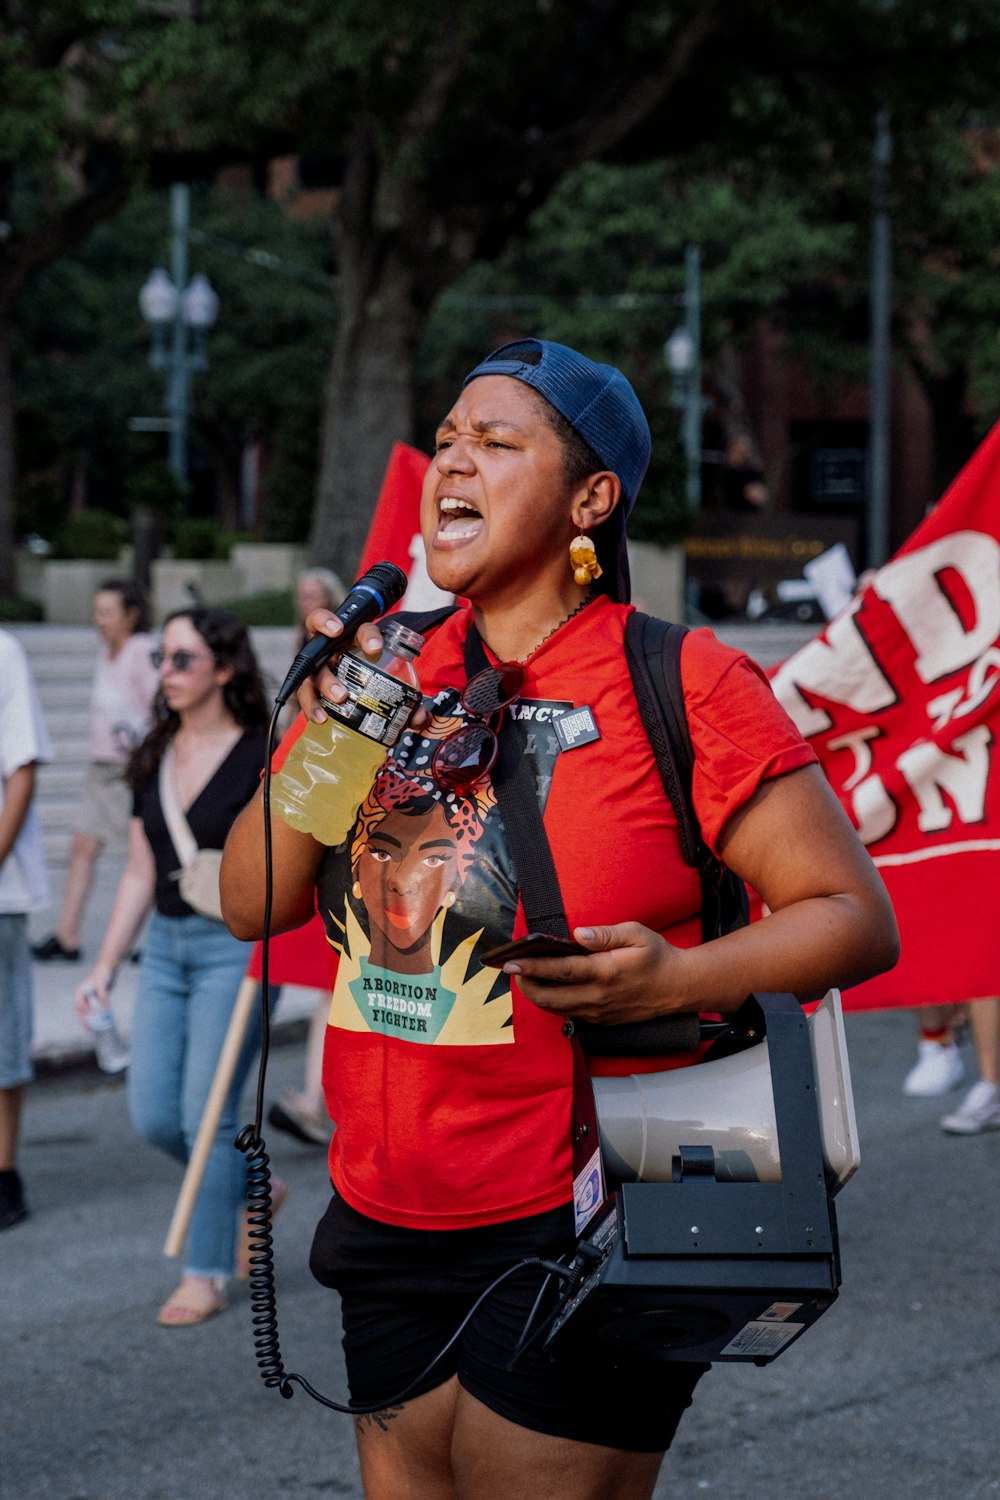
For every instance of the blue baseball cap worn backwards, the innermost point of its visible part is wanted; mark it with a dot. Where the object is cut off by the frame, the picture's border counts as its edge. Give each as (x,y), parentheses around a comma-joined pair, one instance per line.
(601,406)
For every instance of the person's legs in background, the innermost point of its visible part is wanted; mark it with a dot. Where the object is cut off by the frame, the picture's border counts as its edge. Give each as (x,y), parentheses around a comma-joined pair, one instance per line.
(939,1066)
(216,964)
(159,1039)
(191,971)
(16,1069)
(102,824)
(84,853)
(980,1109)
(302,1112)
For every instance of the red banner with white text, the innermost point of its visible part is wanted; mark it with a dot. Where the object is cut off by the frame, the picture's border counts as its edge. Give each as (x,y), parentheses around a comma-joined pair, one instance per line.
(900,695)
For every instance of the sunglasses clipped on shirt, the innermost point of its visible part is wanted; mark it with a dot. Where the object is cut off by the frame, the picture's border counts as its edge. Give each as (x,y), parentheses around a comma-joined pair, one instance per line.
(464,756)
(180,661)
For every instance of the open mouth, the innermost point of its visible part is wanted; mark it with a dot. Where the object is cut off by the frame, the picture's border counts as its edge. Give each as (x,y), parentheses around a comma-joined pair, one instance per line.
(458,518)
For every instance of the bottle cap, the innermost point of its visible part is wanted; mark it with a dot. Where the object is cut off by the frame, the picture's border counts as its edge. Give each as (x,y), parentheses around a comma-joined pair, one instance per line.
(398,637)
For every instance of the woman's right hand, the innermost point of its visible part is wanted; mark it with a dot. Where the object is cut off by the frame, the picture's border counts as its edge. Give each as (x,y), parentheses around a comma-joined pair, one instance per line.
(98,983)
(325,681)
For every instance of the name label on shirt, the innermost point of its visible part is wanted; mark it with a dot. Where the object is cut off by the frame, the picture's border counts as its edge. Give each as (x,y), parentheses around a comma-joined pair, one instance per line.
(577,726)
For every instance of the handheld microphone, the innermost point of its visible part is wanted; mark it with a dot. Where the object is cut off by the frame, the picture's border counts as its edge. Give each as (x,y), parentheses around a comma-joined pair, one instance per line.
(375,592)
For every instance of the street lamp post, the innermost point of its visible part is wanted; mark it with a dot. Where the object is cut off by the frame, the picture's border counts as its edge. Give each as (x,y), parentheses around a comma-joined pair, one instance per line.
(880,349)
(179,313)
(682,353)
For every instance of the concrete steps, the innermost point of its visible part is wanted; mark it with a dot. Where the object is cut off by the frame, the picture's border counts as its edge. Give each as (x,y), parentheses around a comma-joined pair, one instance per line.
(62,659)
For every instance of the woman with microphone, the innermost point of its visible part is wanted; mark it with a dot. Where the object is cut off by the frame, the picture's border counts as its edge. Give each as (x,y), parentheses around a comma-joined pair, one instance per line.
(452,1082)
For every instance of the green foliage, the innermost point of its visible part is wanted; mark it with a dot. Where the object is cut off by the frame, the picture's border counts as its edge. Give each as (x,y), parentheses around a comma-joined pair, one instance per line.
(291,470)
(947,264)
(83,370)
(16,609)
(91,534)
(272,607)
(73,106)
(601,267)
(199,538)
(154,485)
(744,128)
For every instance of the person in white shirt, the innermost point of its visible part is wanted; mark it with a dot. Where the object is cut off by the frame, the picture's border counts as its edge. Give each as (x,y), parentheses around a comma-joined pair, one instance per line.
(124,684)
(24,888)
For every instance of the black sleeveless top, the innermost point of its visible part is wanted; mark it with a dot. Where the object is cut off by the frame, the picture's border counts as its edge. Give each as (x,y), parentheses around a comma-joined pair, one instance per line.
(210,816)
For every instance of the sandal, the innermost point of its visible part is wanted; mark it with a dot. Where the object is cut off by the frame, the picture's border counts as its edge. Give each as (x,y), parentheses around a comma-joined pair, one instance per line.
(195,1300)
(279,1192)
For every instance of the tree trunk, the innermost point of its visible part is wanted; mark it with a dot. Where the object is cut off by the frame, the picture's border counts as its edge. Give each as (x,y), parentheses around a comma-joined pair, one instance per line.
(8,565)
(368,403)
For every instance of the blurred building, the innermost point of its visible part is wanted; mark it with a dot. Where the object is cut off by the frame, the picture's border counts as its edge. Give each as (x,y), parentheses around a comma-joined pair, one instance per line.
(796,481)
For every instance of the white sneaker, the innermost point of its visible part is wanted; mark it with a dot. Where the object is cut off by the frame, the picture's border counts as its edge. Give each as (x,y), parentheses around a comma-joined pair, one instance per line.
(979,1110)
(938,1068)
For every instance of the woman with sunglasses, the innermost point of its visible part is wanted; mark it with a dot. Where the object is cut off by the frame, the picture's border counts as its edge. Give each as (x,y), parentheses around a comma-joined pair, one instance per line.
(452,1090)
(209,720)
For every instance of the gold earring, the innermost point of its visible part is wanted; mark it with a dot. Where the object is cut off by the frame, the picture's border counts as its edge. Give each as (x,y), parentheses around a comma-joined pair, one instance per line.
(449,900)
(583,561)
(356,890)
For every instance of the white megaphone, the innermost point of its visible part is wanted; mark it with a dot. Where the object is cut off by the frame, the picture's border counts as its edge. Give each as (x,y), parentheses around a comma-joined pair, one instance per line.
(728,1105)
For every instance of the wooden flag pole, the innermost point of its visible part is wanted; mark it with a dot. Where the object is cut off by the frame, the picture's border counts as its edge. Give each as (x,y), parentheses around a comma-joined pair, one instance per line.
(239,1020)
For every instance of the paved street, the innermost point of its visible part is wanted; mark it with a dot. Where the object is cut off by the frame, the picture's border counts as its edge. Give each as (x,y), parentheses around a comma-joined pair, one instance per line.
(894,1392)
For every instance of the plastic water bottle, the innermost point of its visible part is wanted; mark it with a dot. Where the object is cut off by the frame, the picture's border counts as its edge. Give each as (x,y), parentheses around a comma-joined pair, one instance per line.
(112,1050)
(331,766)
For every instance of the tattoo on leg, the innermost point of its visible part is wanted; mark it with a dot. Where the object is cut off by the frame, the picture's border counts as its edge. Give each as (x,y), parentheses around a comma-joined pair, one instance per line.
(368,1419)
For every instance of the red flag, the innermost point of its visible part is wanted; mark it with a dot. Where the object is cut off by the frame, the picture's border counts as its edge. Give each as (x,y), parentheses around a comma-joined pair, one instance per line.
(304,957)
(301,957)
(900,695)
(394,535)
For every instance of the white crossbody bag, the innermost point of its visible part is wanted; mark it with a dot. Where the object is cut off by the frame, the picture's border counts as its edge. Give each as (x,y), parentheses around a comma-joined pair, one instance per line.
(198,877)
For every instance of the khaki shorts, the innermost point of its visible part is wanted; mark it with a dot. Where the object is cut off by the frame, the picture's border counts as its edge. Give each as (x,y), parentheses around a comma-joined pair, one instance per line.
(107,805)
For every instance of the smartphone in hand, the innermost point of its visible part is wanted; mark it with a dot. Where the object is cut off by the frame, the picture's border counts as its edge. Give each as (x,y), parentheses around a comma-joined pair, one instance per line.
(532,945)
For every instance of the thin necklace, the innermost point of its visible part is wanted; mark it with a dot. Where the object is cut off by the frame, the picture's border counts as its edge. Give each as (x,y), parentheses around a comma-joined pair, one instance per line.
(520,660)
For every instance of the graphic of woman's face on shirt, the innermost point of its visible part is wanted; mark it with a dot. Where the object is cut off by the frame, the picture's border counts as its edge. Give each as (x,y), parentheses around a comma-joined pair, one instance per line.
(406,872)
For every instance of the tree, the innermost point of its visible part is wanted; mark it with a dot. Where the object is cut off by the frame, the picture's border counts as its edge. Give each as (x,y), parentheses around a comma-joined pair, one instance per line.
(601,267)
(948,302)
(75,90)
(83,371)
(442,130)
(445,129)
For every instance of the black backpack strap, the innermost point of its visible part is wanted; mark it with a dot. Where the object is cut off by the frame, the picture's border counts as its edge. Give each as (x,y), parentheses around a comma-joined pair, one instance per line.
(424,620)
(541,898)
(653,651)
(518,801)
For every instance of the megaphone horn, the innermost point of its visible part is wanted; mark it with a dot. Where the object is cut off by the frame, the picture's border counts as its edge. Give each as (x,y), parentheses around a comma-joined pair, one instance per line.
(727,1104)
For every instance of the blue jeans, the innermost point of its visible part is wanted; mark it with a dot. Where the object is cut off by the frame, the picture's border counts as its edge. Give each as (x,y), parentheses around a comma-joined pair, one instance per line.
(188,981)
(15,1002)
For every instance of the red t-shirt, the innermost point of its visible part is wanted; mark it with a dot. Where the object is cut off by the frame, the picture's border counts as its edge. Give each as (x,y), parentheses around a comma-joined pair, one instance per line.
(451,1092)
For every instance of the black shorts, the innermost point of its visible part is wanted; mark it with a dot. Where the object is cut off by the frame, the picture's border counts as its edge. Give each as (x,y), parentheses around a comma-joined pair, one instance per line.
(404,1292)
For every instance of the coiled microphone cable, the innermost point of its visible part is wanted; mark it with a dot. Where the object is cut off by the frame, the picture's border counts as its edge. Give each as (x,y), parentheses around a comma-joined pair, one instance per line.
(250,1141)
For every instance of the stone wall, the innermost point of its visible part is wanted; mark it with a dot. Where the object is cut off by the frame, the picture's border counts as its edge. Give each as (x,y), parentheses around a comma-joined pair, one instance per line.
(66,589)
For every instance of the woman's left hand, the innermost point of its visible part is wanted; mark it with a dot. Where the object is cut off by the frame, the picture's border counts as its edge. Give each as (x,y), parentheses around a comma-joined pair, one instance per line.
(629,973)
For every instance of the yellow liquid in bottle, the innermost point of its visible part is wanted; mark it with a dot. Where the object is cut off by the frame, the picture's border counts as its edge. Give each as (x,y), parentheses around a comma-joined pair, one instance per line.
(324,780)
(331,766)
